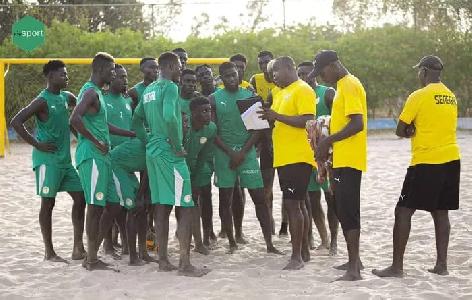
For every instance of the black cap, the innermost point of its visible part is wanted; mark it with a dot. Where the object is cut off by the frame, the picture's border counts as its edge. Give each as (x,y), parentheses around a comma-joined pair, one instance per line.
(431,62)
(322,59)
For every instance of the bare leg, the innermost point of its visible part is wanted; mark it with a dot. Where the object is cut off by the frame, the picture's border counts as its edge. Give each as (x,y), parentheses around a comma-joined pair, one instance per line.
(333,223)
(196,227)
(78,220)
(353,271)
(162,213)
(238,204)
(110,213)
(226,198)
(295,217)
(268,178)
(131,228)
(305,241)
(401,233)
(263,215)
(121,221)
(284,224)
(45,222)
(319,218)
(184,229)
(92,227)
(207,214)
(310,224)
(442,229)
(108,243)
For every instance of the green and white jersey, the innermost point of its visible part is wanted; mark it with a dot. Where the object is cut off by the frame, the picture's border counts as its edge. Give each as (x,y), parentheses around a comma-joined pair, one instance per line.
(198,145)
(119,114)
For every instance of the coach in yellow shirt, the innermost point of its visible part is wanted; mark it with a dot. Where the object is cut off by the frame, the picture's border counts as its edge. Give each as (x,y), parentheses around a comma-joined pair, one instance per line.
(431,183)
(348,136)
(294,159)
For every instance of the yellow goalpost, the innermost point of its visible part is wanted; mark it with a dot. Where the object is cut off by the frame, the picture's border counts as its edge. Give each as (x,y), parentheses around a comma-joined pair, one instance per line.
(5,64)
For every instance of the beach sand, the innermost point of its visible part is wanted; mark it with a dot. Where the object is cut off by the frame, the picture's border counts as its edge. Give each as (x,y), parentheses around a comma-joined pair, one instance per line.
(250,273)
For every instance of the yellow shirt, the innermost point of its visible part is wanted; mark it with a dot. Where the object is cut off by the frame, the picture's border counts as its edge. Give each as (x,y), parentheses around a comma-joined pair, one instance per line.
(433,110)
(291,143)
(244,85)
(263,87)
(350,99)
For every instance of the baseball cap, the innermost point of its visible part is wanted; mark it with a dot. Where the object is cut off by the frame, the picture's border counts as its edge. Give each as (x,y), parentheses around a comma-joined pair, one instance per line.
(431,62)
(322,59)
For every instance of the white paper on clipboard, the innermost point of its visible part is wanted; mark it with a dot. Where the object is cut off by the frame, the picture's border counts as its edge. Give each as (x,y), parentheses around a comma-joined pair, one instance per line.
(251,118)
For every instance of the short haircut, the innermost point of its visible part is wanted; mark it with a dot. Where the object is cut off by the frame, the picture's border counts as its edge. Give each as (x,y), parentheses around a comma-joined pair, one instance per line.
(238,57)
(52,65)
(100,59)
(225,66)
(167,58)
(188,71)
(265,53)
(118,66)
(285,61)
(197,102)
(306,64)
(145,59)
(180,49)
(206,66)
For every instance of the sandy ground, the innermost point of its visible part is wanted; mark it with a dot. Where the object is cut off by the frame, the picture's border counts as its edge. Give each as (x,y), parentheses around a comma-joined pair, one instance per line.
(250,273)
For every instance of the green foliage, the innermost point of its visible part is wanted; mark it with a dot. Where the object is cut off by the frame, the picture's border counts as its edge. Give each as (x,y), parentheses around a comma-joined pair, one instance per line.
(380,57)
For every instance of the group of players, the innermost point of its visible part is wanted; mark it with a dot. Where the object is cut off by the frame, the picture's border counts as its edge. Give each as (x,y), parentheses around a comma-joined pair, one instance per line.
(179,128)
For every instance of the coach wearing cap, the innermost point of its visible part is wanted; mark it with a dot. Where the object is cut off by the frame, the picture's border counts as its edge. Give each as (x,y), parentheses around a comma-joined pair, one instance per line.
(431,183)
(348,136)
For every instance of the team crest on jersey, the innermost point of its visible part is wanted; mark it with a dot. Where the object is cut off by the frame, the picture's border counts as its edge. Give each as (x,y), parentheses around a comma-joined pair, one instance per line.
(129,202)
(45,190)
(203,140)
(99,196)
(187,198)
(128,107)
(148,97)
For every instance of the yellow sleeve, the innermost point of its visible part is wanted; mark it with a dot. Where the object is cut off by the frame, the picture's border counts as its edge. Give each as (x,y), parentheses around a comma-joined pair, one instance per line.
(410,110)
(306,99)
(352,99)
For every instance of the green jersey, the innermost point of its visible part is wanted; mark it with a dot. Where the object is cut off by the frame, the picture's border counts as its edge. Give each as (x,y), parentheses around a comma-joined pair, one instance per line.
(119,114)
(230,126)
(198,145)
(55,130)
(160,108)
(97,124)
(321,107)
(140,87)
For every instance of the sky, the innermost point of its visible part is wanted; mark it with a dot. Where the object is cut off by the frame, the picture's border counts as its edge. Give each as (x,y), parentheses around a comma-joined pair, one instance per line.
(235,11)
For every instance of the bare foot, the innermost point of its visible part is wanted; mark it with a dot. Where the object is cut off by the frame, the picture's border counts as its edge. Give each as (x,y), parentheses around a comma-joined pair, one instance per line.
(312,243)
(345,266)
(55,258)
(293,265)
(440,270)
(191,271)
(222,235)
(274,250)
(78,253)
(201,249)
(136,261)
(97,265)
(148,258)
(322,247)
(349,277)
(232,248)
(213,237)
(306,254)
(240,240)
(166,266)
(333,250)
(388,272)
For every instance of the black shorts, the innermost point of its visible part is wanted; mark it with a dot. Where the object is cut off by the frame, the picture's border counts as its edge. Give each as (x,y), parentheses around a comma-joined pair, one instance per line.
(294,179)
(266,154)
(347,197)
(431,187)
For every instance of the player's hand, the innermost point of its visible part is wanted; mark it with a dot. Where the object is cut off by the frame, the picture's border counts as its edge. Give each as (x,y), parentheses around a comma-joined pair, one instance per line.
(46,147)
(322,149)
(103,147)
(410,130)
(237,158)
(181,153)
(268,114)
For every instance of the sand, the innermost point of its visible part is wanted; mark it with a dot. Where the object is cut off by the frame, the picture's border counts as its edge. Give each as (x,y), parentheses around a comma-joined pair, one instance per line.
(250,273)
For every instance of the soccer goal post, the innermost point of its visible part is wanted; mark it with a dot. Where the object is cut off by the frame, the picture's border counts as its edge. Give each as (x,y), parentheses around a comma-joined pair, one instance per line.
(6,63)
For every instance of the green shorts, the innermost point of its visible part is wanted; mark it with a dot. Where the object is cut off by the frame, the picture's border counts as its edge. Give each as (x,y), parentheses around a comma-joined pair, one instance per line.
(130,155)
(169,179)
(202,176)
(315,186)
(249,172)
(51,179)
(95,176)
(123,188)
